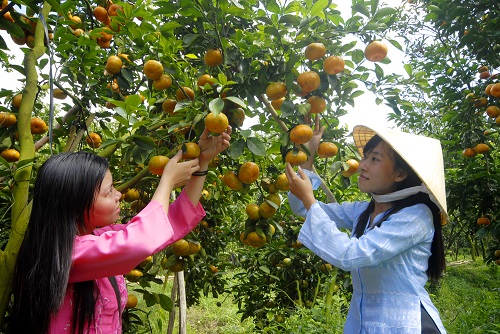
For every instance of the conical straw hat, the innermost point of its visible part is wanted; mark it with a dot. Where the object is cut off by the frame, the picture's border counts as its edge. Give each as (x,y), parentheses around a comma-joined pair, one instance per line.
(423,154)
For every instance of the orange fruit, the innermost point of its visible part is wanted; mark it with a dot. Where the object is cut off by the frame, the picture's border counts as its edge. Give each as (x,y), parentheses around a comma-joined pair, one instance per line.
(213,57)
(301,134)
(216,123)
(114,65)
(277,103)
(93,140)
(282,182)
(318,104)
(484,75)
(469,153)
(275,198)
(78,32)
(483,221)
(77,21)
(184,94)
(153,69)
(266,210)
(105,36)
(497,120)
(16,101)
(11,155)
(180,247)
(255,240)
(327,150)
(131,195)
(214,162)
(276,90)
(376,51)
(495,90)
(481,148)
(101,14)
(243,239)
(114,9)
(213,269)
(134,275)
(103,43)
(59,94)
(352,168)
(177,266)
(236,117)
(38,126)
(205,79)
(132,301)
(315,51)
(194,247)
(157,164)
(480,102)
(308,81)
(483,68)
(190,150)
(145,262)
(296,159)
(493,111)
(248,172)
(252,211)
(333,65)
(7,119)
(168,106)
(163,82)
(232,181)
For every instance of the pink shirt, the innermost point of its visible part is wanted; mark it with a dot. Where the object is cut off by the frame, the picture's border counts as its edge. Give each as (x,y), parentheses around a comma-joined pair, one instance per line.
(115,250)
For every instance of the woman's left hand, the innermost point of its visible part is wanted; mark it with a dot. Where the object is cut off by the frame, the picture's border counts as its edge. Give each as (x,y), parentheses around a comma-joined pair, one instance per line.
(300,186)
(211,146)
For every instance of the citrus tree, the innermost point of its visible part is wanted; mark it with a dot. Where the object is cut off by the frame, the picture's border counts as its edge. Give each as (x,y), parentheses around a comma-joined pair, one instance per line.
(135,82)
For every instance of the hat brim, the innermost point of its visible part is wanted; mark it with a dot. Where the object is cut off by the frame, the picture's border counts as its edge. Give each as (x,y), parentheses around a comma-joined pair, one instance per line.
(423,154)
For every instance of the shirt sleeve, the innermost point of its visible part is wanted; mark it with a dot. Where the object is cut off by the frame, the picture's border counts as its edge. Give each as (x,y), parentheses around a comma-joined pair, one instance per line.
(117,249)
(402,230)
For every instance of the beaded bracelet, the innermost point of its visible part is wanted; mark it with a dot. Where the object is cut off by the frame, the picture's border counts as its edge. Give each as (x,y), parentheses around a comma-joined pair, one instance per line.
(200,173)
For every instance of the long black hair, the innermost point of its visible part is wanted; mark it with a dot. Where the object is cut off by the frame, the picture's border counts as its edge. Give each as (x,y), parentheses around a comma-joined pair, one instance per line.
(437,263)
(64,191)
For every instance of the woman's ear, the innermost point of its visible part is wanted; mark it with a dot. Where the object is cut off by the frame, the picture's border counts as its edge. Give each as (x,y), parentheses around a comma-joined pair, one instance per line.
(401,175)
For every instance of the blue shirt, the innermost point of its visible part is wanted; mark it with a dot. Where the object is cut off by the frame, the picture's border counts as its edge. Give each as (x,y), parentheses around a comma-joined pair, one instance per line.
(388,263)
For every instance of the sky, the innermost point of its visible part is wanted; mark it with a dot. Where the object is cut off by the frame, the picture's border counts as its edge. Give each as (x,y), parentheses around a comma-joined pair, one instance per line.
(366,111)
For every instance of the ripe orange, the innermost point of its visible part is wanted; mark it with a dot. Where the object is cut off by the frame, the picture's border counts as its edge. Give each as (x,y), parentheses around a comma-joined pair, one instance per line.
(190,150)
(103,43)
(480,102)
(315,51)
(132,301)
(243,239)
(282,182)
(59,94)
(101,14)
(327,150)
(168,106)
(296,159)
(266,210)
(184,94)
(214,162)
(77,21)
(7,119)
(376,51)
(131,195)
(134,275)
(180,247)
(333,65)
(11,155)
(205,79)
(163,82)
(277,103)
(484,75)
(93,140)
(114,9)
(483,68)
(481,148)
(114,65)
(276,90)
(308,81)
(275,198)
(469,153)
(495,90)
(483,221)
(16,101)
(493,111)
(352,168)
(153,69)
(301,134)
(252,211)
(248,172)
(497,120)
(157,164)
(213,57)
(255,240)
(318,104)
(216,123)
(38,126)
(194,247)
(232,181)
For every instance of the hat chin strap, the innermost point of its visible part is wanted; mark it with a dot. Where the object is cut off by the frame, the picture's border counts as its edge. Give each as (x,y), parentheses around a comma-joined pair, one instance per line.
(403,193)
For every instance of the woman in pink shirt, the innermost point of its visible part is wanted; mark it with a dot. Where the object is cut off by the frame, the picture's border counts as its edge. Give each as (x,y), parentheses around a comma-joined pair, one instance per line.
(69,273)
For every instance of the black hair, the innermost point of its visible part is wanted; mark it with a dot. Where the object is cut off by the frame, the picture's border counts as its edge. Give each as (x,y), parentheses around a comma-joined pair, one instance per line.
(436,264)
(64,191)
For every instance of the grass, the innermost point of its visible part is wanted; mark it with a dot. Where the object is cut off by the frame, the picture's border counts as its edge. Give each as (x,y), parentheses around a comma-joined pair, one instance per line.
(467,298)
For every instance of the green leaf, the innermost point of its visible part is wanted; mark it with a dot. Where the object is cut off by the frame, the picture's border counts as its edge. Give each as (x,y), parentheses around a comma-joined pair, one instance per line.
(166,302)
(318,8)
(236,100)
(236,148)
(256,146)
(386,11)
(216,106)
(144,142)
(409,69)
(265,269)
(361,9)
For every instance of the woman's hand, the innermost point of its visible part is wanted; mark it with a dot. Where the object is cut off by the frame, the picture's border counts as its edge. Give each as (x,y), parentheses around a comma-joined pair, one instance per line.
(300,186)
(177,173)
(313,144)
(211,146)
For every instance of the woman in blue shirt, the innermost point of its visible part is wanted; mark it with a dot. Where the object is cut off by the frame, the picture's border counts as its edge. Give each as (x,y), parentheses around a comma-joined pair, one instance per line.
(396,242)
